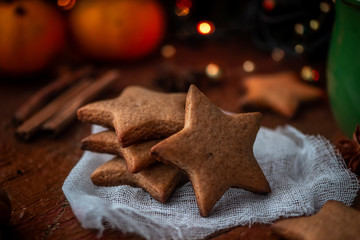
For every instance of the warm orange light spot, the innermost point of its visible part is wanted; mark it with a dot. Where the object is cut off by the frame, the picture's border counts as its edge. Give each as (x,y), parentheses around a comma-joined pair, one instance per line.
(168,51)
(66,4)
(182,12)
(248,66)
(213,71)
(183,7)
(205,27)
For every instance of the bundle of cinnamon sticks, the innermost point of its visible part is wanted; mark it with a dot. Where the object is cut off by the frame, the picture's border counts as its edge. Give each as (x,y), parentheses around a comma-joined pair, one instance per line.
(69,91)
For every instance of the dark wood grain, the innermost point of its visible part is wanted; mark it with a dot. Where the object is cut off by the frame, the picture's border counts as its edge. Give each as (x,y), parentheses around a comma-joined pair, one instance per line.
(32,173)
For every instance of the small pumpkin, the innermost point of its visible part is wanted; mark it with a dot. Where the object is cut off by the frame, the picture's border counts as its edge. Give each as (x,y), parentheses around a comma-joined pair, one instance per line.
(122,29)
(31,33)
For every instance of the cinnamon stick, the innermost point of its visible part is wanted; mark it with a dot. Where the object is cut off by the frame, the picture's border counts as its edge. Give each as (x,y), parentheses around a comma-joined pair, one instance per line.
(40,98)
(26,130)
(67,114)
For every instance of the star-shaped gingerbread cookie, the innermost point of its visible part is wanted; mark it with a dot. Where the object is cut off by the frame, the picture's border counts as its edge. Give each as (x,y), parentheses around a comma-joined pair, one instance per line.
(138,114)
(280,92)
(159,180)
(215,150)
(335,221)
(137,156)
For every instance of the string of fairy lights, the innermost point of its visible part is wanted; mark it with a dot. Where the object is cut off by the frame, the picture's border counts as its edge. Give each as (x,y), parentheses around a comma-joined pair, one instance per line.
(304,31)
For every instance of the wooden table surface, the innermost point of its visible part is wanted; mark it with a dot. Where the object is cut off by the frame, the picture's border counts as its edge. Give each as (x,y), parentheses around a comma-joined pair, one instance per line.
(33,172)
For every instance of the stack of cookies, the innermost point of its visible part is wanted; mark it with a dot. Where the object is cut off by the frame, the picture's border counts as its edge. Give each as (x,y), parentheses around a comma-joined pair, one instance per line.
(162,139)
(139,118)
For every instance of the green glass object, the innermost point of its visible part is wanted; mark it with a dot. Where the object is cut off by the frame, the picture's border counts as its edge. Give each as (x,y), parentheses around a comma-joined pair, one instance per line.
(343,69)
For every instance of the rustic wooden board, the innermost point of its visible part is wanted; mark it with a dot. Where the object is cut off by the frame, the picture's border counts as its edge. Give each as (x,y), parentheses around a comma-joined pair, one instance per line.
(32,173)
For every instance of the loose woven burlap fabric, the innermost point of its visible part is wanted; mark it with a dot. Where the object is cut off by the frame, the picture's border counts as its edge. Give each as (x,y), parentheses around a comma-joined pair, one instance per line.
(303,171)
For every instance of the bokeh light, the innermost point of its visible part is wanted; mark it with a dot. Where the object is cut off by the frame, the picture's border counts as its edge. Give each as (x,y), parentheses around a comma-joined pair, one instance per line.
(310,74)
(168,51)
(299,28)
(182,8)
(277,54)
(182,12)
(205,28)
(183,3)
(213,71)
(314,24)
(306,73)
(299,48)
(248,66)
(268,5)
(315,75)
(324,7)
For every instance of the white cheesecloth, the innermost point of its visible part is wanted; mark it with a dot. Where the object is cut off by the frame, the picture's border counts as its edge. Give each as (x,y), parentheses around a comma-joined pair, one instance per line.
(303,171)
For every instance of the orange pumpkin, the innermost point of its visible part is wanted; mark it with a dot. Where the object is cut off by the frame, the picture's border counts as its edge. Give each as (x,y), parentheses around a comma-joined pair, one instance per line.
(121,29)
(31,32)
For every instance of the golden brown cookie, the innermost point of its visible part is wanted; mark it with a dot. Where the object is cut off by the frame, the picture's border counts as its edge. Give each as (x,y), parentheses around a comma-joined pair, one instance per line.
(138,114)
(137,156)
(215,150)
(280,92)
(159,180)
(335,221)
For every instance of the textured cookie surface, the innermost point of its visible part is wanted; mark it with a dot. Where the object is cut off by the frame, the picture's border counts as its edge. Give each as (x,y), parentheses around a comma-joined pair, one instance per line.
(159,180)
(137,156)
(335,221)
(219,151)
(281,92)
(138,114)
